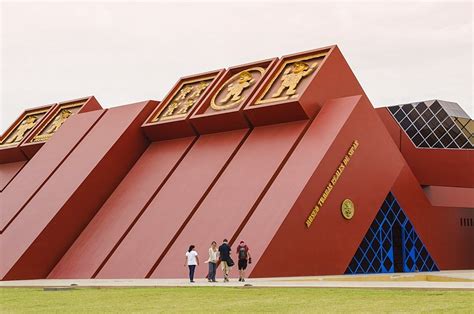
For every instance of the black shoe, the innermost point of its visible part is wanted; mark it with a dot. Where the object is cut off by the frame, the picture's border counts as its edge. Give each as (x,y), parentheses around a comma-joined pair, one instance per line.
(240,279)
(243,279)
(192,281)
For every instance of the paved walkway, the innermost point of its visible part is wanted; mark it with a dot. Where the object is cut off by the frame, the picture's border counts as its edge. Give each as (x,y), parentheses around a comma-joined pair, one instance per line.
(434,280)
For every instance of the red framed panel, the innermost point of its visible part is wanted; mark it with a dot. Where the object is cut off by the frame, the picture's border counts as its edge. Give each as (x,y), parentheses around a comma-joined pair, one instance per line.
(300,84)
(221,110)
(286,89)
(55,119)
(18,132)
(171,118)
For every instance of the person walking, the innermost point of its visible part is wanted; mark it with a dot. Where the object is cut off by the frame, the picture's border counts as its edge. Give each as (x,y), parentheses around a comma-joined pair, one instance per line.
(244,257)
(191,261)
(226,260)
(212,260)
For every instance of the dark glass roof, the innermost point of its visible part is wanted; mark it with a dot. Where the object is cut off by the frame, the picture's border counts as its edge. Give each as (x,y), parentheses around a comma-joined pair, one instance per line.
(435,124)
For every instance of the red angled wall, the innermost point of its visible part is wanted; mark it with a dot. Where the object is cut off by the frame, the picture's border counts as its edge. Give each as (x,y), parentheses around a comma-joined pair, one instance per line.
(51,220)
(8,171)
(36,172)
(277,228)
(172,206)
(232,198)
(118,214)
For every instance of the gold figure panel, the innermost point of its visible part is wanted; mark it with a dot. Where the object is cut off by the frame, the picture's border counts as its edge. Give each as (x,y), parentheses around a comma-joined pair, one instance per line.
(347,209)
(187,95)
(23,128)
(236,88)
(291,78)
(61,116)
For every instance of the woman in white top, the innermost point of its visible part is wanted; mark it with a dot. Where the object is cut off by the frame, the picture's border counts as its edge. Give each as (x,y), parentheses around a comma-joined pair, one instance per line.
(192,261)
(212,260)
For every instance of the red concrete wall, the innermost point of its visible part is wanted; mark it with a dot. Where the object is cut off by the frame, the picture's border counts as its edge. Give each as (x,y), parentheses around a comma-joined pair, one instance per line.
(58,212)
(37,171)
(232,198)
(449,244)
(277,234)
(444,167)
(448,196)
(172,206)
(8,172)
(116,217)
(391,125)
(432,166)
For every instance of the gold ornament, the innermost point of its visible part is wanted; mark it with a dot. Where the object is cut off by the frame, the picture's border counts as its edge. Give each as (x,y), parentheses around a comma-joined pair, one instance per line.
(183,99)
(22,129)
(292,76)
(59,120)
(347,209)
(235,87)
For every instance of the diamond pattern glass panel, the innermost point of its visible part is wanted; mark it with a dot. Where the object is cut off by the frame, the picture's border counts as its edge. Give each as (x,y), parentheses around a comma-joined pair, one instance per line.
(375,253)
(427,124)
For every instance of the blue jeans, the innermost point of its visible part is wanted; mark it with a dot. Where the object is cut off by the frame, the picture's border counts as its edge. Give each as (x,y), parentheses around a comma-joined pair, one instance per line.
(192,268)
(212,271)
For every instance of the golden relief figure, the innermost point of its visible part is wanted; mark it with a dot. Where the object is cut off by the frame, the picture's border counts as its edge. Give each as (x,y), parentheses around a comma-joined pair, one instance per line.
(199,89)
(286,83)
(293,76)
(171,108)
(184,92)
(52,126)
(59,120)
(235,89)
(22,129)
(184,99)
(187,105)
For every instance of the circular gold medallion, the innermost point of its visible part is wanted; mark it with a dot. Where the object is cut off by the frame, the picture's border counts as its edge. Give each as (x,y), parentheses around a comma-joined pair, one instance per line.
(347,209)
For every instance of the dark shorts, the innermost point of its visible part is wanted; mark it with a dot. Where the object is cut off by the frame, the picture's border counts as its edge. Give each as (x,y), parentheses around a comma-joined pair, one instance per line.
(242,264)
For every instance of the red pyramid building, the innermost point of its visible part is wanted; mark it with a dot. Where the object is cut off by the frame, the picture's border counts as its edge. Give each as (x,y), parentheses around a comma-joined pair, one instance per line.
(287,154)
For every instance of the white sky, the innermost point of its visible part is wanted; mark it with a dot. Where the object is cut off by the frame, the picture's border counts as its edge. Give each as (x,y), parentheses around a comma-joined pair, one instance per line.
(124,52)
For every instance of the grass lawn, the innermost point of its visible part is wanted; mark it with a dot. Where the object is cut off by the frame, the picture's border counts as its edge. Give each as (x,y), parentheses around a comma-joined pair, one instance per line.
(227,299)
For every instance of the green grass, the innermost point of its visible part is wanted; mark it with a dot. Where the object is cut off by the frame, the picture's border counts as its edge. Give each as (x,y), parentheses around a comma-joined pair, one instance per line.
(226,299)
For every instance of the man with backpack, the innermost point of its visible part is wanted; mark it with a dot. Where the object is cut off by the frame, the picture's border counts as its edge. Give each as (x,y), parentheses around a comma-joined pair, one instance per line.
(226,260)
(244,258)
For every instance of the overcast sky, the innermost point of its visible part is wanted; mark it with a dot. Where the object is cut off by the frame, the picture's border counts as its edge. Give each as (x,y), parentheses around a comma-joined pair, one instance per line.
(124,52)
